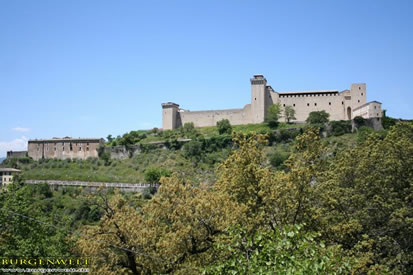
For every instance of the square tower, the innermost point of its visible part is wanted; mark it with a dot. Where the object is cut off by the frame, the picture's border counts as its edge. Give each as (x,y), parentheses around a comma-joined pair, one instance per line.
(259,98)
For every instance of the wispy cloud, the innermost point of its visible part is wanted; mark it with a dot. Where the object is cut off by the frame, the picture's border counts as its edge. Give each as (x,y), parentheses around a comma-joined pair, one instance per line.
(21,129)
(18,144)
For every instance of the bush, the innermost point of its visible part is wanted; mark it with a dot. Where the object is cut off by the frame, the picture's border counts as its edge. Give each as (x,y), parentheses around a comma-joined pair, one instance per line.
(363,133)
(318,117)
(153,175)
(193,149)
(359,121)
(339,128)
(277,159)
(286,135)
(105,156)
(224,127)
(148,192)
(173,144)
(387,122)
(146,148)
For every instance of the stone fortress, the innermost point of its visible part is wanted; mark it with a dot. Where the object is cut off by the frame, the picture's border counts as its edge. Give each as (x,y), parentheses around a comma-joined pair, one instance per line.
(64,148)
(344,105)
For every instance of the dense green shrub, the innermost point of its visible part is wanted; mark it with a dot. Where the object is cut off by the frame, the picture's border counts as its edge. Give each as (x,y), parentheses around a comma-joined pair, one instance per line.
(277,159)
(363,133)
(153,175)
(224,127)
(359,121)
(286,135)
(339,128)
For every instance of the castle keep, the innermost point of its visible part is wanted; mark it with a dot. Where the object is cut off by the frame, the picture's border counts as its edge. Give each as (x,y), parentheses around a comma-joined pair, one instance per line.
(344,105)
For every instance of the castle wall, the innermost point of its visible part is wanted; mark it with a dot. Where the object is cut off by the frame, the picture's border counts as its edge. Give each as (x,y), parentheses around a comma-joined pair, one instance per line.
(210,118)
(16,154)
(305,103)
(64,148)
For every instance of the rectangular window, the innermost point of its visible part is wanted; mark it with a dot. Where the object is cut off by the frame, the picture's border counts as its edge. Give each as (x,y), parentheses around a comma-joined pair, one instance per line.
(71,147)
(329,103)
(80,148)
(308,104)
(87,148)
(315,104)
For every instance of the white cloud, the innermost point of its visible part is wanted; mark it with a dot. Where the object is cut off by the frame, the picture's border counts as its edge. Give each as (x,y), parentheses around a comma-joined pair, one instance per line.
(18,144)
(21,129)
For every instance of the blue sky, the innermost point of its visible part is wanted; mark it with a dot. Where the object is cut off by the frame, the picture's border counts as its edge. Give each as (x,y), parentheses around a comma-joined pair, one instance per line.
(91,68)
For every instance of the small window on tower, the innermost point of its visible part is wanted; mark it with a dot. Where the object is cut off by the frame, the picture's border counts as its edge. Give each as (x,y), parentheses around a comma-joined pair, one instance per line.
(359,88)
(294,105)
(361,93)
(329,103)
(315,104)
(358,101)
(342,102)
(283,105)
(308,104)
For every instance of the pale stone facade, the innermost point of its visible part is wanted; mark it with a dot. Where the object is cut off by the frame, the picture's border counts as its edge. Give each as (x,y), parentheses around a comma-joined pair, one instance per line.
(343,105)
(64,148)
(6,175)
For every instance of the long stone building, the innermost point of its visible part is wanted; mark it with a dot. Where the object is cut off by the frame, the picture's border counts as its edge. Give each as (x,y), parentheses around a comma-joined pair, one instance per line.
(64,148)
(344,105)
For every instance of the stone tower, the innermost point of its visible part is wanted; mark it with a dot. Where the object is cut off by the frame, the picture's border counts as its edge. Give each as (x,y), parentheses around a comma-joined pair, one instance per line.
(170,115)
(259,98)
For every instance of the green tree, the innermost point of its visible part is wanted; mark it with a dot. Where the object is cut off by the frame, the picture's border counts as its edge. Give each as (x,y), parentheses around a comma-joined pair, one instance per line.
(289,113)
(318,117)
(33,224)
(224,127)
(288,250)
(153,175)
(273,115)
(366,198)
(172,233)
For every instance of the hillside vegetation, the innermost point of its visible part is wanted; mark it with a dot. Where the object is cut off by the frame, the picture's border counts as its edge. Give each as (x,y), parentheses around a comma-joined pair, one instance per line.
(196,160)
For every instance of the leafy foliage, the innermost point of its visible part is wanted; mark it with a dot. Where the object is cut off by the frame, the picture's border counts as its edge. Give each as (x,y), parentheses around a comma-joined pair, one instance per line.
(366,200)
(318,117)
(224,127)
(288,250)
(289,113)
(339,128)
(173,232)
(273,115)
(153,175)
